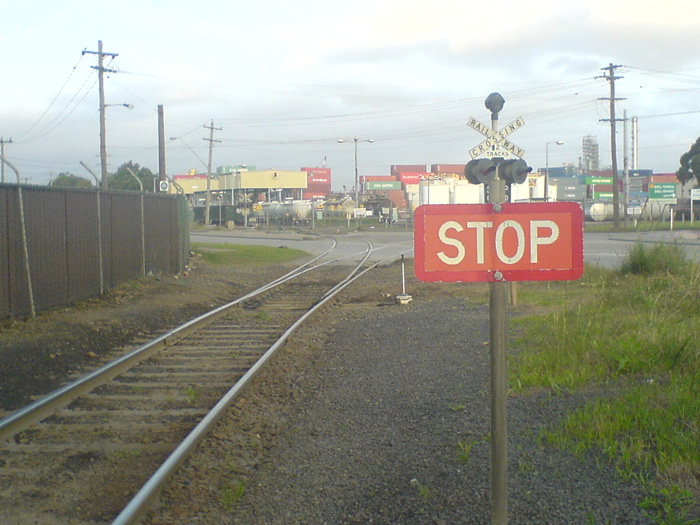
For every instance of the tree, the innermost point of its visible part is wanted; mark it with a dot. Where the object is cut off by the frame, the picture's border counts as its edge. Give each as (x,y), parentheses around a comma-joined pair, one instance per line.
(123,180)
(690,164)
(68,180)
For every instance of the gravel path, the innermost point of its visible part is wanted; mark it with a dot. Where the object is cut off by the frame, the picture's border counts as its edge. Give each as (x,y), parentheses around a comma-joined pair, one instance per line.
(377,442)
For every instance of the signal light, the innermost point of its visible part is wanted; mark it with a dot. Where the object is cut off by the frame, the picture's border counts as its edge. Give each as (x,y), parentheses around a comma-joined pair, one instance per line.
(480,171)
(515,171)
(469,172)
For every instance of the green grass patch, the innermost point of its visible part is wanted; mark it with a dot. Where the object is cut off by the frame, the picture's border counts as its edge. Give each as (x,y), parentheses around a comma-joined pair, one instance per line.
(635,330)
(246,255)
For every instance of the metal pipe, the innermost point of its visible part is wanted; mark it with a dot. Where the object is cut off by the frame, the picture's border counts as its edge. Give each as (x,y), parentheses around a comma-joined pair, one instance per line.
(23,227)
(143,225)
(99,226)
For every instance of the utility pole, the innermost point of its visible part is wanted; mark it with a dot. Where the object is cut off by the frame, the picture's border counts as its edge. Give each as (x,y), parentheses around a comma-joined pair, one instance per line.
(611,78)
(207,197)
(161,145)
(2,155)
(625,165)
(103,125)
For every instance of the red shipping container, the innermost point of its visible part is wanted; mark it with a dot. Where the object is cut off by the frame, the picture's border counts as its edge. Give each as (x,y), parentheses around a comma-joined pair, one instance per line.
(448,168)
(398,197)
(663,178)
(319,188)
(377,178)
(312,196)
(410,178)
(318,171)
(407,168)
(317,179)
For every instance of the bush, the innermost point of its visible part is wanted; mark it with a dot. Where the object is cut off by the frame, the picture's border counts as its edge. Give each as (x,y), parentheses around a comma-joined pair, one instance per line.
(661,258)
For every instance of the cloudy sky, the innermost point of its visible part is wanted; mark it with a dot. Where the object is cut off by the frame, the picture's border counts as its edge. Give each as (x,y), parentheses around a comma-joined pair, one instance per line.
(284,80)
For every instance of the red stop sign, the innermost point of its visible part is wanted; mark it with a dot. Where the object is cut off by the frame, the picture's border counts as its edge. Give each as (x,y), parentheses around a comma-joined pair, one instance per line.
(492,242)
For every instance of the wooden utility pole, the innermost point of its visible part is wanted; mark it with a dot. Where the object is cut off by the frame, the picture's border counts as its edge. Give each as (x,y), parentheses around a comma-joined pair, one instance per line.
(611,78)
(207,197)
(103,125)
(161,144)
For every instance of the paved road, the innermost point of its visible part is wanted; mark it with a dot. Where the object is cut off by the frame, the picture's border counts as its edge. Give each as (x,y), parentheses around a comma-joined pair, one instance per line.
(604,249)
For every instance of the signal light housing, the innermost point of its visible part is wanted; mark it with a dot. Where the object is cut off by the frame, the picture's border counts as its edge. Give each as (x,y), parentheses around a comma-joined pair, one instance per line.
(515,171)
(480,171)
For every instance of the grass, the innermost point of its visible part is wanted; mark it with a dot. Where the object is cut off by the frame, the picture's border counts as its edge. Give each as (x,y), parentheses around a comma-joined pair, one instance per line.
(245,255)
(230,493)
(636,332)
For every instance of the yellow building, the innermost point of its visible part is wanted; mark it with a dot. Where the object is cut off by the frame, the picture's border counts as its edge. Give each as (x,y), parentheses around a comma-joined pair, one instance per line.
(263,180)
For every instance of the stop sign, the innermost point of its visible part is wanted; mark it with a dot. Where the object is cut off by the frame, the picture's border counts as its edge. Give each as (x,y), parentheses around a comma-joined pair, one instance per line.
(499,242)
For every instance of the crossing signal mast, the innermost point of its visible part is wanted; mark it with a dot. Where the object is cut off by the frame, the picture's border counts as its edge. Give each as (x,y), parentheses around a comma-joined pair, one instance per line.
(496,158)
(497,163)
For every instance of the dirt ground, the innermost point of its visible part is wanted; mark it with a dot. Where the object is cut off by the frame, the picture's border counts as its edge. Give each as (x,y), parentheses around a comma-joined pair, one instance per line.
(38,355)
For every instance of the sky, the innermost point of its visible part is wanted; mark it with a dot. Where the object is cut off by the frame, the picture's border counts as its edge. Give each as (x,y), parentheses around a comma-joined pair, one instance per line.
(285,80)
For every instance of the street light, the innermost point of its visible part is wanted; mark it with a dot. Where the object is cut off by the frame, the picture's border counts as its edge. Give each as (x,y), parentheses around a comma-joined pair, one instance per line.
(357,179)
(103,136)
(546,169)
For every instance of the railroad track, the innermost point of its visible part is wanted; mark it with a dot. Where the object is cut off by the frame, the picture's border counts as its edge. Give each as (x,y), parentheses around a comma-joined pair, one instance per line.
(109,440)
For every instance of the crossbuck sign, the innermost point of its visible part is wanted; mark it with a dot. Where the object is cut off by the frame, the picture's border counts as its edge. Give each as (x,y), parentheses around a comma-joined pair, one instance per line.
(496,144)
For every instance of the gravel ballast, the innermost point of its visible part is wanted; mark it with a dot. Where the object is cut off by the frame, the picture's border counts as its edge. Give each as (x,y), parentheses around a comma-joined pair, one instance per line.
(366,425)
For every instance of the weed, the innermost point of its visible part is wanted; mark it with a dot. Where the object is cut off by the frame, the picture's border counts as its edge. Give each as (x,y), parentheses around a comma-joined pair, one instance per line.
(192,394)
(423,491)
(464,450)
(230,493)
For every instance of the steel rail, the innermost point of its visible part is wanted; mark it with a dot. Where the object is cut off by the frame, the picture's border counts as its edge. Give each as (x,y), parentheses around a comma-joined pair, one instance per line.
(138,504)
(36,411)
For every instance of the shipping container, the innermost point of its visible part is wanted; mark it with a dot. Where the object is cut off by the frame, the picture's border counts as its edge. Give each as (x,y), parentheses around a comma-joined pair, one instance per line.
(464,192)
(382,185)
(318,179)
(398,197)
(319,187)
(669,178)
(407,168)
(326,172)
(434,192)
(457,169)
(411,178)
(377,178)
(312,196)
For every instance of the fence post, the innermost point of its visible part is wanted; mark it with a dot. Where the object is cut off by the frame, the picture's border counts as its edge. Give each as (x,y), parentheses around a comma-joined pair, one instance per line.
(24,235)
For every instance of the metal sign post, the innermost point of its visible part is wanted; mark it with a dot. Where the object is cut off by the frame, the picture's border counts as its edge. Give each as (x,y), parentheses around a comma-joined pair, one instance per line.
(497,344)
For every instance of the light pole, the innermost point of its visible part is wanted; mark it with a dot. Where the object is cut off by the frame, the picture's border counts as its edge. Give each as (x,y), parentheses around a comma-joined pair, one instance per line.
(357,178)
(103,136)
(546,169)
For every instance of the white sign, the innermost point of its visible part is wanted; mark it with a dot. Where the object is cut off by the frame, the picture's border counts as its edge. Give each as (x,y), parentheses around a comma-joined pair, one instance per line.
(695,194)
(496,144)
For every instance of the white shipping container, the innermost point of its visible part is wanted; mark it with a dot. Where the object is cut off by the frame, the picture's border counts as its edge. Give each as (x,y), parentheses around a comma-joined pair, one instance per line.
(411,189)
(520,192)
(464,192)
(434,192)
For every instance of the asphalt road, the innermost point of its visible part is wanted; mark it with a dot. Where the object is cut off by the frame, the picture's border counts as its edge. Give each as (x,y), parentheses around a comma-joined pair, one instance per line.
(603,249)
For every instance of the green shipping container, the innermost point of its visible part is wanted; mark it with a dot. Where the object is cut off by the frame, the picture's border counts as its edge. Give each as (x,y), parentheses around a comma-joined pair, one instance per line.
(382,185)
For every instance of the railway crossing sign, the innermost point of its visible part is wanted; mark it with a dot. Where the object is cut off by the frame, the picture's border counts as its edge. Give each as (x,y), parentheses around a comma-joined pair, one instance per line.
(496,144)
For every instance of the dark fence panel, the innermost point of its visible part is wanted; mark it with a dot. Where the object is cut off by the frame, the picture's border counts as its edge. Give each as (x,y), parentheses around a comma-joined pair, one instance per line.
(82,243)
(125,218)
(17,275)
(45,218)
(63,240)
